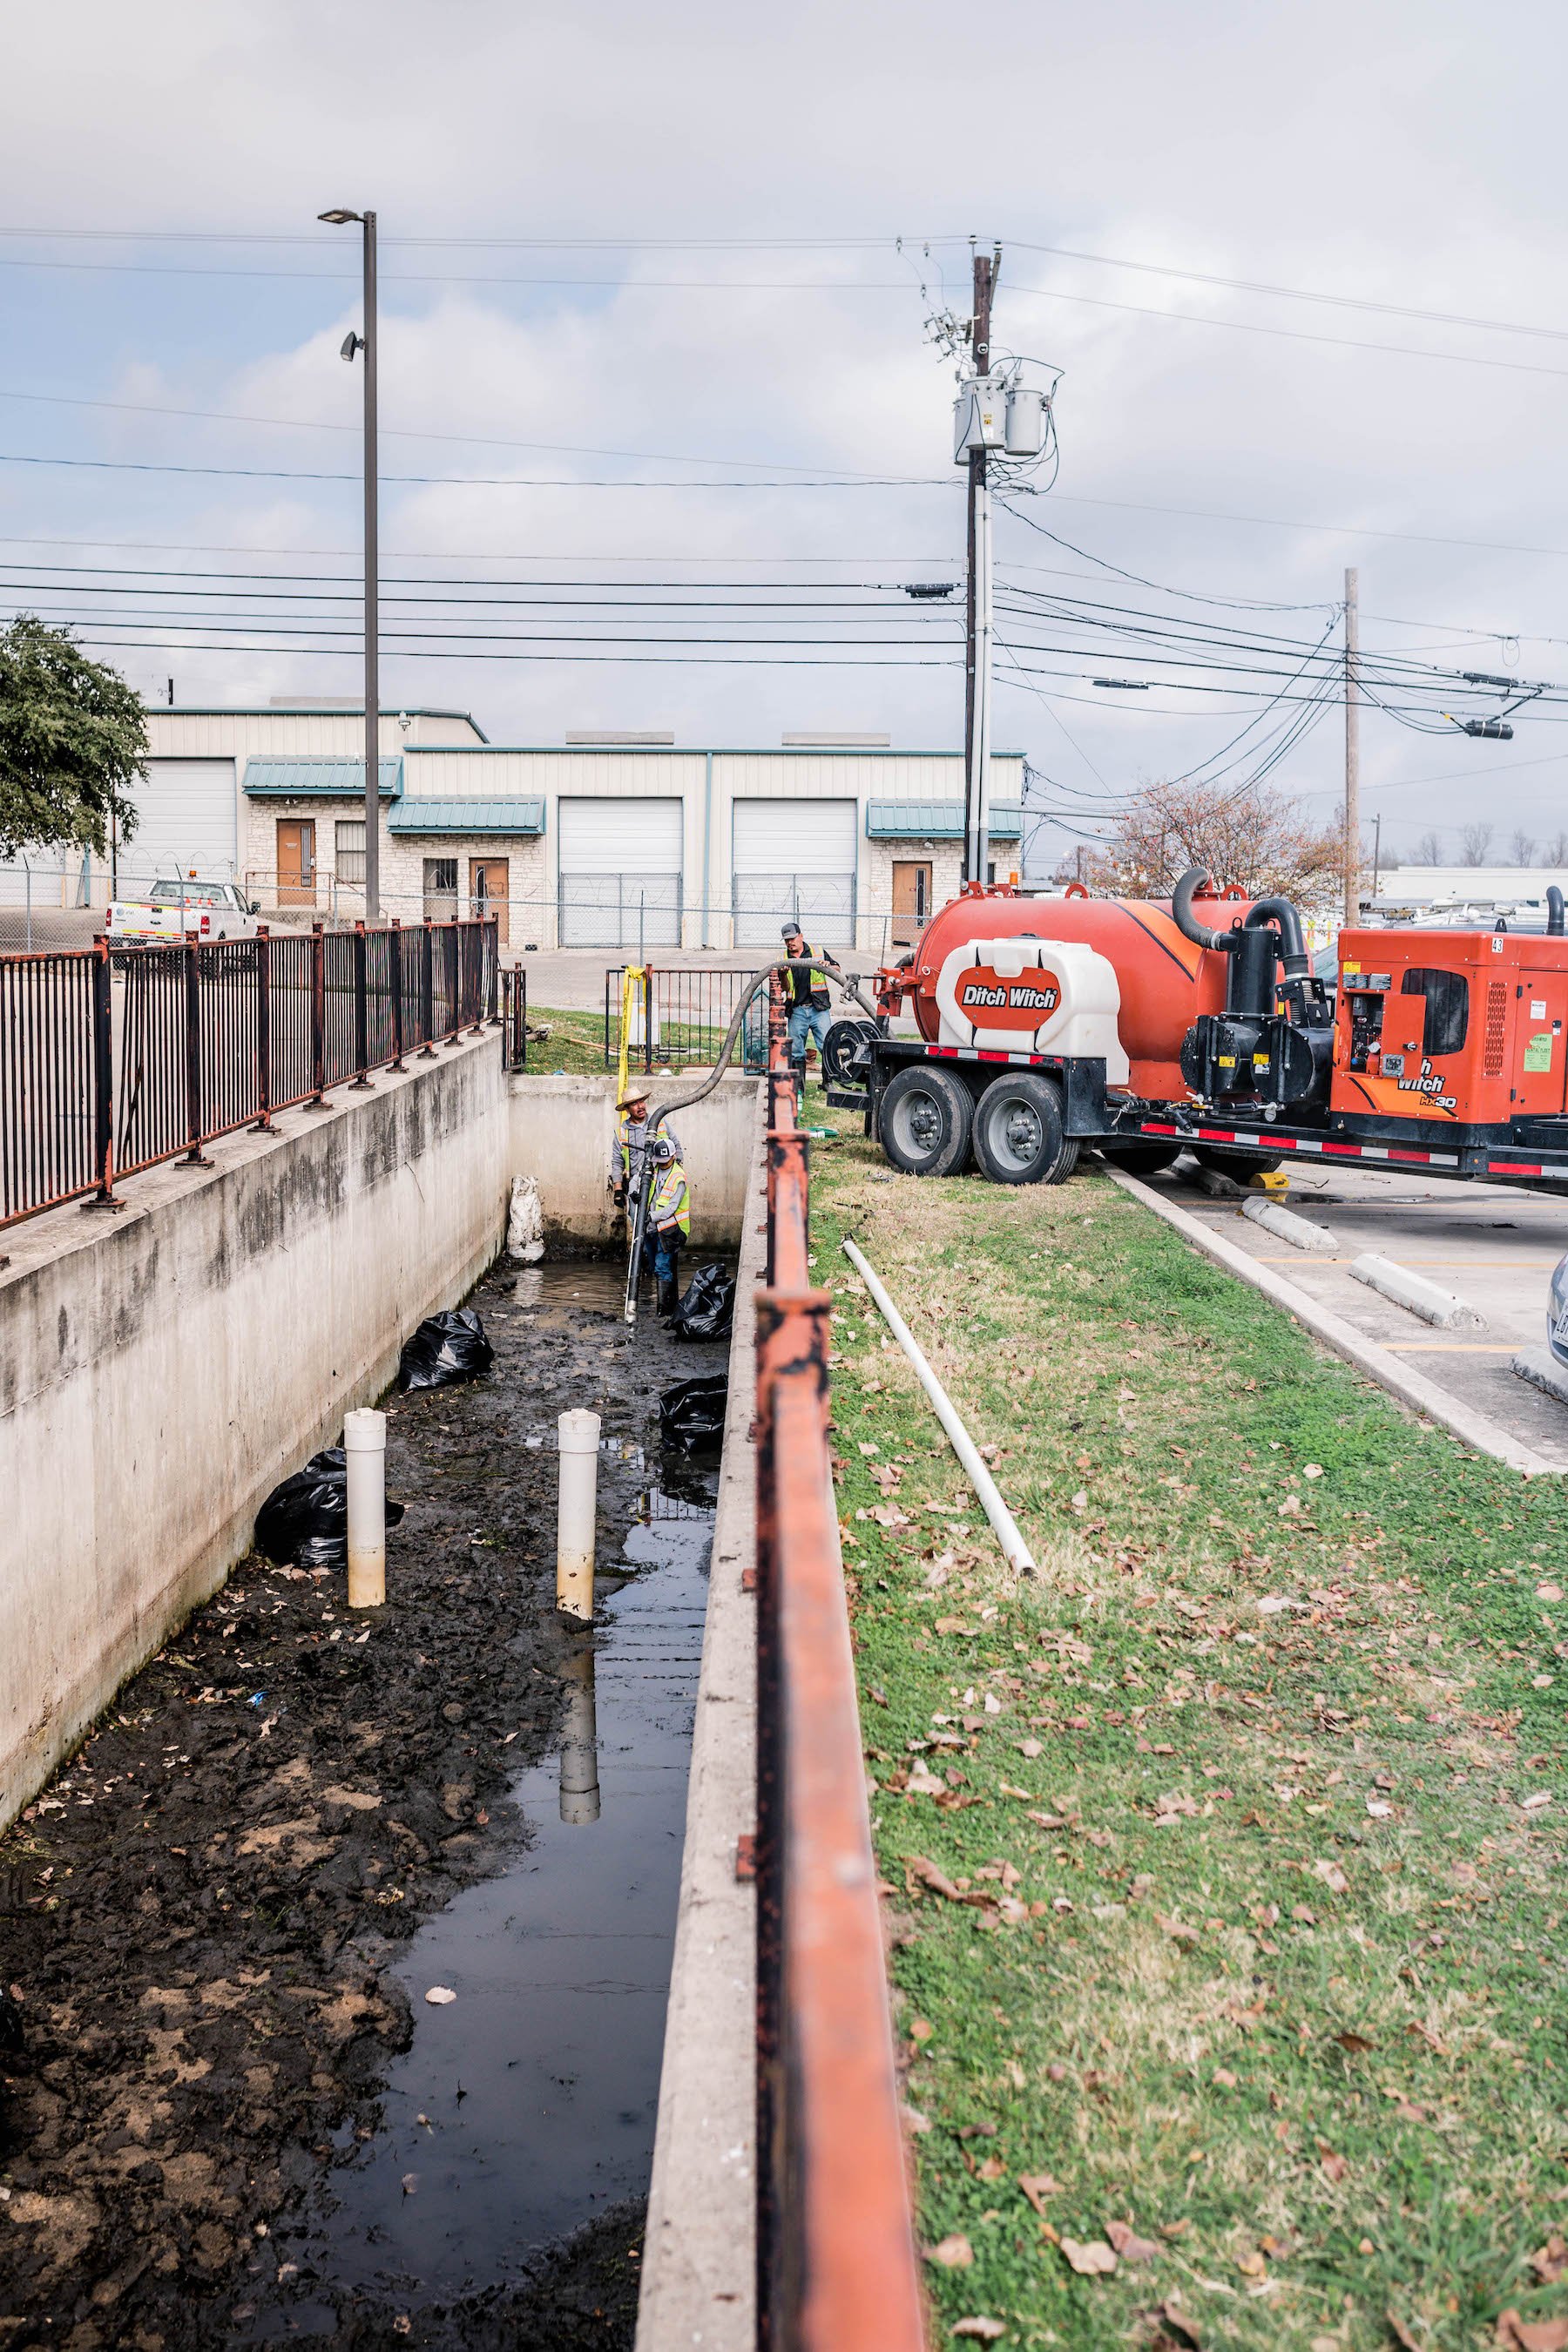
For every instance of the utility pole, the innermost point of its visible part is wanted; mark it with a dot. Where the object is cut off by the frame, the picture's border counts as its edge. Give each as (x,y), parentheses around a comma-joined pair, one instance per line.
(977,605)
(1376,854)
(1353,749)
(366,343)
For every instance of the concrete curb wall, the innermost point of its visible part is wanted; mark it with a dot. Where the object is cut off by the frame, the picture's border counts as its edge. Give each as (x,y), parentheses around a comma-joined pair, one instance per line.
(1474,1429)
(562,1128)
(699,2264)
(164,1365)
(1542,1368)
(1443,1309)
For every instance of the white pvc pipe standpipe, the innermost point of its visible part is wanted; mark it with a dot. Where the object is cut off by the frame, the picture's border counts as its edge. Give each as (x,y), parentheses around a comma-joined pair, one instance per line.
(1017,1551)
(364,1452)
(577,1444)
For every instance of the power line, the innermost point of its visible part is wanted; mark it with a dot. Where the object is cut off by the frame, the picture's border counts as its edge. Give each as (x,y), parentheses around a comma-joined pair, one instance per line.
(482,481)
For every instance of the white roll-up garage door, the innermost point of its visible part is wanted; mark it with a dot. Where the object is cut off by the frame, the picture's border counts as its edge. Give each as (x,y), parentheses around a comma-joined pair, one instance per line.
(185,823)
(794,858)
(620,873)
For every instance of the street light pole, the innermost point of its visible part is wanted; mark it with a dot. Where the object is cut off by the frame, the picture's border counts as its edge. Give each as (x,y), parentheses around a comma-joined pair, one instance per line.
(366,343)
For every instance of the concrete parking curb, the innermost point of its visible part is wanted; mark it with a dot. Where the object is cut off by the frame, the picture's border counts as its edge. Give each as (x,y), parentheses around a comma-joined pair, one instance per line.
(1541,1368)
(699,2266)
(1444,1309)
(1286,1226)
(1477,1429)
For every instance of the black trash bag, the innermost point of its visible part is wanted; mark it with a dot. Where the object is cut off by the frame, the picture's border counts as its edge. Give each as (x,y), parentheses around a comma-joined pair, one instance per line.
(446,1349)
(304,1523)
(708,1309)
(692,1413)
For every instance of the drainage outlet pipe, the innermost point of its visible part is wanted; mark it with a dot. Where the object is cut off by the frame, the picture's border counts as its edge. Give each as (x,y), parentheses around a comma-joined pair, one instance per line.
(1002,1521)
(578,1451)
(364,1454)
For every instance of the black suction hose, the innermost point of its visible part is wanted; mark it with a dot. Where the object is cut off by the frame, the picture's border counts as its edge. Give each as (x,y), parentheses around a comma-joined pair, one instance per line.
(801,964)
(1292,939)
(1187,922)
(1553,910)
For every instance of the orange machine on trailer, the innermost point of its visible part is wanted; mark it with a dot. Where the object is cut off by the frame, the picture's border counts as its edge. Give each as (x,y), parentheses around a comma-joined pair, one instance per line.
(1140,1028)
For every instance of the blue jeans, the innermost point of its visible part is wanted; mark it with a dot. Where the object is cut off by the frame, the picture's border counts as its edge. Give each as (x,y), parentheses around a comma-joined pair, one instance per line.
(806,1022)
(661,1252)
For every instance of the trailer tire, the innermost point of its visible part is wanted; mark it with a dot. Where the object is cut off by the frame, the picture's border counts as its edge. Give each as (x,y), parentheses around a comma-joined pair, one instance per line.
(1140,1158)
(924,1121)
(1019,1133)
(1238,1164)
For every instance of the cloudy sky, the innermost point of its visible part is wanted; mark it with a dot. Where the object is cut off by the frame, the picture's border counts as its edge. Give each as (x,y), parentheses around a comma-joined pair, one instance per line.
(646,319)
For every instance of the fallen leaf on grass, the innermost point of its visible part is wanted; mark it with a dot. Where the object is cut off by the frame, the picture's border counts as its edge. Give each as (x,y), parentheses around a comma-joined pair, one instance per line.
(1128,2246)
(1532,2334)
(1354,2042)
(1177,1929)
(953,2253)
(987,2330)
(992,2170)
(923,1782)
(1030,1748)
(1252,2265)
(1037,2187)
(1401,2333)
(1379,1808)
(1533,1804)
(1170,2315)
(1094,2260)
(1332,1876)
(1549,1592)
(917,1866)
(1552,2259)
(1333,2168)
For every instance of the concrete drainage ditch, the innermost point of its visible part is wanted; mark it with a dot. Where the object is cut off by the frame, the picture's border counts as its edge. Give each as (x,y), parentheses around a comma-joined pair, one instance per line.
(236,2117)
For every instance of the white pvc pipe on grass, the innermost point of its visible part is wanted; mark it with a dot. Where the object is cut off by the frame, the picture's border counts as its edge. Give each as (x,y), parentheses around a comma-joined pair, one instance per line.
(1002,1521)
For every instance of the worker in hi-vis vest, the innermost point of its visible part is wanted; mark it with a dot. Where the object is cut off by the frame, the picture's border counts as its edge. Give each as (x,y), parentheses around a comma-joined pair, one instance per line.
(668,1220)
(633,1136)
(806,994)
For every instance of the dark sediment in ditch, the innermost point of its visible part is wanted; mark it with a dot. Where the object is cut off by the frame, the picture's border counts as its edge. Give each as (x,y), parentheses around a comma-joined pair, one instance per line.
(234,2119)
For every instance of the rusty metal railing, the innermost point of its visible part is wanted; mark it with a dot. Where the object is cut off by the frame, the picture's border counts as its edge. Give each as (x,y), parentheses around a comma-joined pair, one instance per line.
(836,2269)
(113,1059)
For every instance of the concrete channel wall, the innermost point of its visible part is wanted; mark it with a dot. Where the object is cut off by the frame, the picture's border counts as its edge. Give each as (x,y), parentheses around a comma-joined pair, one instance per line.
(163,1365)
(563,1130)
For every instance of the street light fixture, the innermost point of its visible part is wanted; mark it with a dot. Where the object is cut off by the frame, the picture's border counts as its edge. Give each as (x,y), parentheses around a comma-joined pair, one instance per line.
(339,217)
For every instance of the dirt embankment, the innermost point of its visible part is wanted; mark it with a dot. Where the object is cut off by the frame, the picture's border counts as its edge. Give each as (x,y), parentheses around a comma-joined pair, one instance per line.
(196,1916)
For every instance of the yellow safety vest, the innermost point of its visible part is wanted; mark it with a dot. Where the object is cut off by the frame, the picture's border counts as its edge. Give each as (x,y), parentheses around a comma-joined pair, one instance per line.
(671,1199)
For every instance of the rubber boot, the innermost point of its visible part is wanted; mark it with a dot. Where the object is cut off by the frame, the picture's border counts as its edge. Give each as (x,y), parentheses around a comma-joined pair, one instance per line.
(667,1294)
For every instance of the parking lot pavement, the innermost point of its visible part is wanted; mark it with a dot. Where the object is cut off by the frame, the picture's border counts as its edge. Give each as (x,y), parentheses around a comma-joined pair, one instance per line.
(48,927)
(1494,1245)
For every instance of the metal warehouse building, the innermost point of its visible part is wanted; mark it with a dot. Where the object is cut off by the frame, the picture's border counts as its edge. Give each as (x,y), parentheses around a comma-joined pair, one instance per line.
(603,843)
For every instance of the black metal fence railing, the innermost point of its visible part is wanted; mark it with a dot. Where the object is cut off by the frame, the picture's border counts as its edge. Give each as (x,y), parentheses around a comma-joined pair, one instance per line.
(110,1061)
(514,1017)
(688,1012)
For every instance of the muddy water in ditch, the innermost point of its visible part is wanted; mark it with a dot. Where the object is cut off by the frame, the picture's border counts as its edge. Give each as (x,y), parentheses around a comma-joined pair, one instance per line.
(236,2119)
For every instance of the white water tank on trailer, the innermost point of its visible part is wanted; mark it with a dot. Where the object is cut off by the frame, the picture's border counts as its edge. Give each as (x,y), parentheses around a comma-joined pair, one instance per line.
(1033,996)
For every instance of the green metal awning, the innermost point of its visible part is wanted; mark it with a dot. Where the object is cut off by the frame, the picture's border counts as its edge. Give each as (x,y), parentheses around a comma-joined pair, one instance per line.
(466,817)
(936,820)
(318,779)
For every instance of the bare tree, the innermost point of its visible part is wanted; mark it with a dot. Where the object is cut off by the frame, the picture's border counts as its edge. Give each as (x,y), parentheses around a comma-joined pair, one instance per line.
(1260,839)
(1521,848)
(1555,851)
(1428,850)
(1475,840)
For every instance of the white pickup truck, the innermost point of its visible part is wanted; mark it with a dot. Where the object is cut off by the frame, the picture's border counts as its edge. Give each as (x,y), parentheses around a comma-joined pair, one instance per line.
(178,909)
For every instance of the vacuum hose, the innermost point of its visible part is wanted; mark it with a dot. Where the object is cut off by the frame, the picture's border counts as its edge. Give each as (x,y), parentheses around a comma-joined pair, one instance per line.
(1187,922)
(1553,910)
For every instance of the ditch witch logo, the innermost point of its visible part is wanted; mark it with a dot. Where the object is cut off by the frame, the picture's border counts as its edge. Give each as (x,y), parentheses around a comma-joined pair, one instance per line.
(982,993)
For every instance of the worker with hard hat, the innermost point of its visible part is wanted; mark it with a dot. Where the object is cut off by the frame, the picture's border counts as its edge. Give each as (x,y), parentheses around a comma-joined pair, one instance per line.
(668,1220)
(806,994)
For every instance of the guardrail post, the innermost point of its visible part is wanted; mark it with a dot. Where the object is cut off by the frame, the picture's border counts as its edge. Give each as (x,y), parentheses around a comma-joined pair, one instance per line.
(361,1007)
(493,969)
(318,1017)
(263,1029)
(479,940)
(103,1078)
(395,966)
(193,1157)
(427,992)
(788,1164)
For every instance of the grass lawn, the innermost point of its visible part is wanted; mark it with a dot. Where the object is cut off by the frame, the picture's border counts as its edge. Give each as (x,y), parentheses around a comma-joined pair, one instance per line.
(1224,1859)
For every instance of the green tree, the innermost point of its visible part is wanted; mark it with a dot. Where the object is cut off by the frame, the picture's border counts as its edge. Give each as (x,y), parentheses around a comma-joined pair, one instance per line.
(73,739)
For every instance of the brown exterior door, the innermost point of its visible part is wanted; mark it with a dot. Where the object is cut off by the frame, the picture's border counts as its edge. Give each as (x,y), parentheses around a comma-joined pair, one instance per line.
(489,888)
(296,861)
(911,899)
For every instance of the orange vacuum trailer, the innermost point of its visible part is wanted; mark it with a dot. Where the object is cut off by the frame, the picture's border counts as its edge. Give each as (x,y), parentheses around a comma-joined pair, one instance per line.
(1140,1028)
